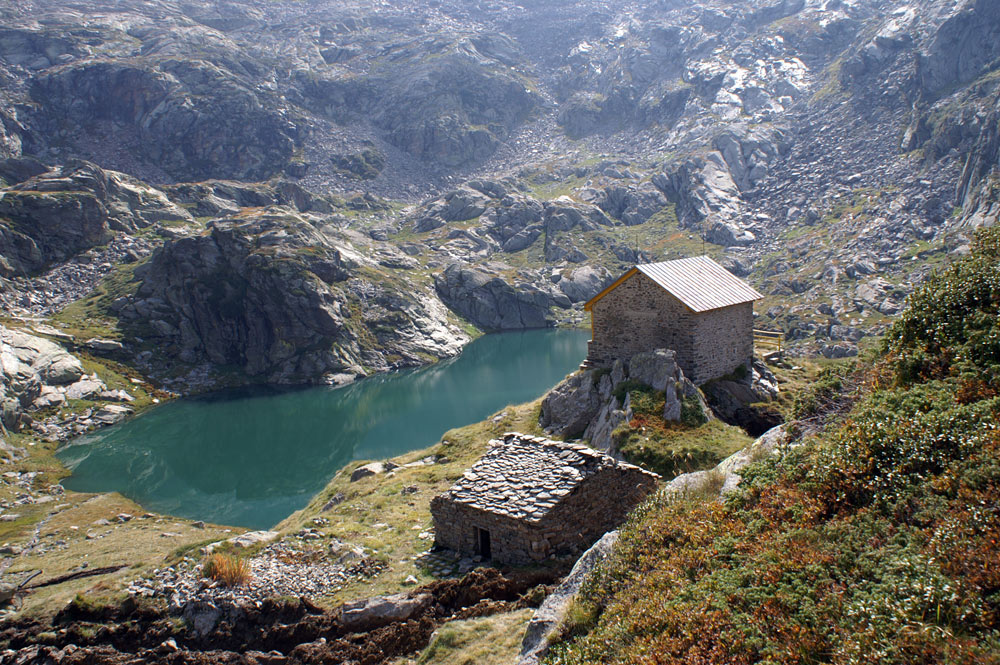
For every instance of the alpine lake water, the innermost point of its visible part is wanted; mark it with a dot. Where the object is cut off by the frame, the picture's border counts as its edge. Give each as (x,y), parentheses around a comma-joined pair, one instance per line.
(250,458)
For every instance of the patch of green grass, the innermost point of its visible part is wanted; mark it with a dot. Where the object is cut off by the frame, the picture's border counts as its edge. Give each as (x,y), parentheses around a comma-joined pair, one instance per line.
(547,188)
(673,449)
(91,316)
(831,87)
(364,165)
(493,640)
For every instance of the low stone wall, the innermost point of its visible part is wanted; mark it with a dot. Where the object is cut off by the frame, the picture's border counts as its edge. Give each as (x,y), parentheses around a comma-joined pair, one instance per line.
(601,503)
(511,540)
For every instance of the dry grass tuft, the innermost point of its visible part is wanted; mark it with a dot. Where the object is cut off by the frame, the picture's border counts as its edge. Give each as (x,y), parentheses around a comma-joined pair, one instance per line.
(228,569)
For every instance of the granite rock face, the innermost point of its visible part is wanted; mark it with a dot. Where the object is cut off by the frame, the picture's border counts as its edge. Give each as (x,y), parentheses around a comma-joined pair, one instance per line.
(489,302)
(743,402)
(584,283)
(452,110)
(545,622)
(54,215)
(193,119)
(569,408)
(725,477)
(584,404)
(381,610)
(456,206)
(29,360)
(37,373)
(283,301)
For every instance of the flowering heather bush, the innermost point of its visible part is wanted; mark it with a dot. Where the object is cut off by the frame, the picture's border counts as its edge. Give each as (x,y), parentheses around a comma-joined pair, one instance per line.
(952,324)
(875,542)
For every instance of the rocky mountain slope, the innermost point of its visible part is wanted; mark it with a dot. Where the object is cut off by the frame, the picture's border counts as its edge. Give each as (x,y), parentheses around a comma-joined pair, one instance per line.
(219,192)
(506,159)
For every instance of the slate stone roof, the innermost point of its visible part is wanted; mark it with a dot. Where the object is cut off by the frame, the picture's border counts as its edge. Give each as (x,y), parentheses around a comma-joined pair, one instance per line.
(525,477)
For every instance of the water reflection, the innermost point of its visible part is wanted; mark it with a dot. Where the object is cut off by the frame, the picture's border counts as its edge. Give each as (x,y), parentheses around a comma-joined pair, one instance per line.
(251,458)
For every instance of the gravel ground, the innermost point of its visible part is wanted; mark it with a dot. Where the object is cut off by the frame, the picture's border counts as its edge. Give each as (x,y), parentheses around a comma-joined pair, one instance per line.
(280,569)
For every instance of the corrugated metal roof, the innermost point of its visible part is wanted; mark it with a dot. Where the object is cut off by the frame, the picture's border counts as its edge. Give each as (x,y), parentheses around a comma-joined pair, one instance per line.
(700,283)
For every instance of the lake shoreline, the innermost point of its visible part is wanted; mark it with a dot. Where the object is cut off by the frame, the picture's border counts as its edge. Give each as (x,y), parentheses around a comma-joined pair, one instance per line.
(433,402)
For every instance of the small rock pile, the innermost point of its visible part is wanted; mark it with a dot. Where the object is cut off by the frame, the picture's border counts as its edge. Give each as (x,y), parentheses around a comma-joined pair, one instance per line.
(281,569)
(447,563)
(67,282)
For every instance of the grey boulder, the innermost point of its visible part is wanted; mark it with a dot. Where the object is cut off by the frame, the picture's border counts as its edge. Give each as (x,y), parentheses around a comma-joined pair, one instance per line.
(381,610)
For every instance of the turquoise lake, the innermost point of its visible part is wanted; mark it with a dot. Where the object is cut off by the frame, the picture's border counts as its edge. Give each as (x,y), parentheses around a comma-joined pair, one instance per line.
(251,458)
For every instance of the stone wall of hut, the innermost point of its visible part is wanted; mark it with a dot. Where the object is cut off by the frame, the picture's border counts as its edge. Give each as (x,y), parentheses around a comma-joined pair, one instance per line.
(597,505)
(639,315)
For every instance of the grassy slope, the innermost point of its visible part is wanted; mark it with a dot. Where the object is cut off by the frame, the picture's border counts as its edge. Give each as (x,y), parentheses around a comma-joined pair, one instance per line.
(494,640)
(376,514)
(139,544)
(874,541)
(673,448)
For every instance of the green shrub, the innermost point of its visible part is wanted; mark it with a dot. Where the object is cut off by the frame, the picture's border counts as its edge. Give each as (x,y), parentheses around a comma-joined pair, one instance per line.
(952,323)
(692,414)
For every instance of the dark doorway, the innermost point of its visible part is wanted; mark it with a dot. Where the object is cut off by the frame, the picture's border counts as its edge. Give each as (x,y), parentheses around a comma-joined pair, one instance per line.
(483,548)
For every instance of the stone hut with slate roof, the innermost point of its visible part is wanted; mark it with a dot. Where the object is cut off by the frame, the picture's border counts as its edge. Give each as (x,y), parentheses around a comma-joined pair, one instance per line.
(693,306)
(529,498)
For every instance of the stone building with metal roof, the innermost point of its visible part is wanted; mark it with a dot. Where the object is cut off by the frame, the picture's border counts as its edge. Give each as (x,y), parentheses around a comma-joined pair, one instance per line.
(693,306)
(529,498)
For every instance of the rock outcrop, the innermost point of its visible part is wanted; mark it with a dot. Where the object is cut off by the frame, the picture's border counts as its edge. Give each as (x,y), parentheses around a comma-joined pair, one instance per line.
(381,610)
(52,216)
(490,303)
(549,616)
(456,206)
(583,283)
(29,369)
(725,477)
(283,302)
(743,403)
(223,198)
(36,374)
(586,405)
(632,205)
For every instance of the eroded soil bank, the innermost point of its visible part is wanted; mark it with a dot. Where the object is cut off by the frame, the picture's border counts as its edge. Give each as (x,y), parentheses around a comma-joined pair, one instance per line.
(278,631)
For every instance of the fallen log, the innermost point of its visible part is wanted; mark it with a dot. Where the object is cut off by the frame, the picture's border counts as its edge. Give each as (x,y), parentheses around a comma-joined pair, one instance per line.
(78,575)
